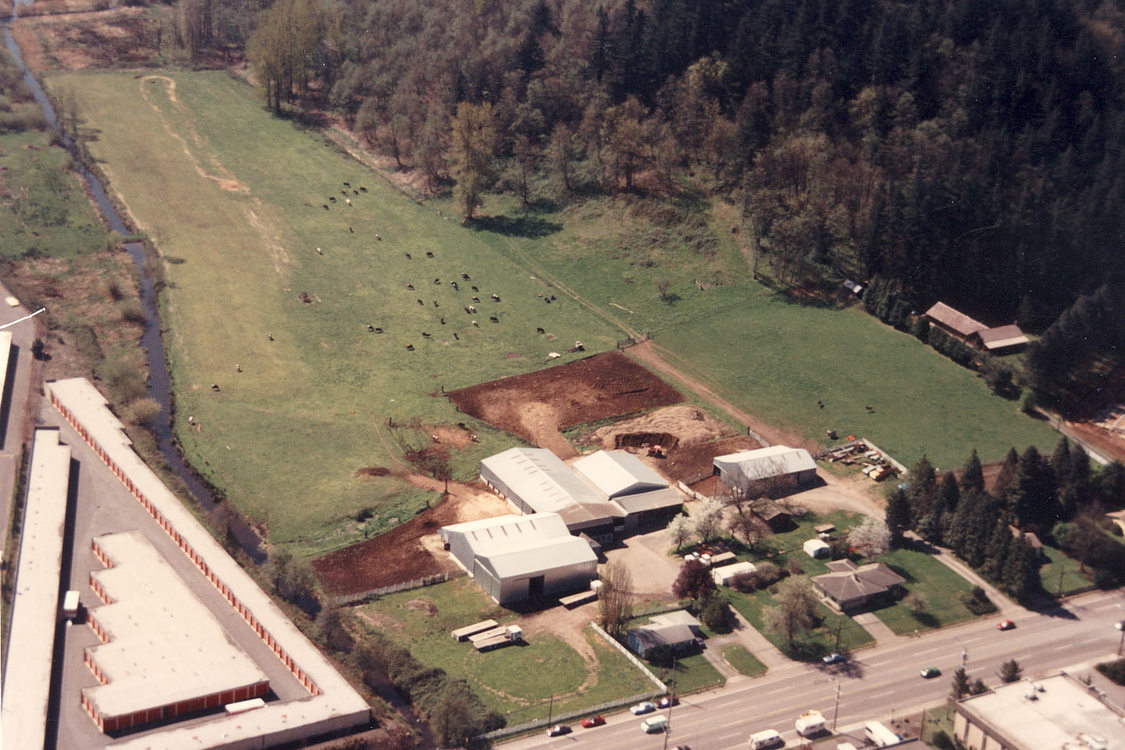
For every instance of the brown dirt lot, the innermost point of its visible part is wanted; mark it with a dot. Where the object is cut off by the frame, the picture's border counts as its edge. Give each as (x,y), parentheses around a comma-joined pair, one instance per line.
(537,405)
(411,550)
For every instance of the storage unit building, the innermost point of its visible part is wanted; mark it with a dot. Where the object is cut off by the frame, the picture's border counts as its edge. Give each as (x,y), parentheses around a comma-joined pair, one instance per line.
(644,495)
(777,467)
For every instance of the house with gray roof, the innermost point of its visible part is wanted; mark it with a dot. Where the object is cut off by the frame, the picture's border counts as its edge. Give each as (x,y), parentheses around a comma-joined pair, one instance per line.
(848,586)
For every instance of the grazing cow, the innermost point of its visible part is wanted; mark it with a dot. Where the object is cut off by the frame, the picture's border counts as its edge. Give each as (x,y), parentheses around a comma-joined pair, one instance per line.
(351,230)
(437,281)
(215,387)
(456,337)
(476,298)
(409,286)
(547,300)
(425,334)
(429,254)
(348,201)
(238,368)
(270,335)
(380,238)
(496,298)
(454,285)
(475,324)
(355,192)
(408,255)
(443,321)
(435,303)
(325,206)
(371,328)
(471,309)
(465,276)
(475,289)
(420,302)
(347,184)
(331,199)
(539,330)
(410,347)
(362,189)
(319,251)
(494,319)
(378,330)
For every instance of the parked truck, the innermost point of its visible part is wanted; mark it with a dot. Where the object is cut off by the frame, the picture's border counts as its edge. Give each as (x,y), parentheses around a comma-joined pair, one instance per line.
(879,735)
(809,723)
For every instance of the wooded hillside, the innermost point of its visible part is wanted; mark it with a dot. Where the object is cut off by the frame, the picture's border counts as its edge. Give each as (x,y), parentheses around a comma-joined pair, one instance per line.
(969,151)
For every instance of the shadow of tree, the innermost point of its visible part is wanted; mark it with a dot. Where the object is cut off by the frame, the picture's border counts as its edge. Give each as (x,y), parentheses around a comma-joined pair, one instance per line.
(526,226)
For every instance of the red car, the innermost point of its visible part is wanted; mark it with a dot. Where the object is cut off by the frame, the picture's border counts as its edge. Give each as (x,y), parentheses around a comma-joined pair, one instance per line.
(1005,625)
(593,721)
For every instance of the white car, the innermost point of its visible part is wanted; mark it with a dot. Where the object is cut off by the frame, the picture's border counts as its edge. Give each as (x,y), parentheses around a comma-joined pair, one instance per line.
(644,707)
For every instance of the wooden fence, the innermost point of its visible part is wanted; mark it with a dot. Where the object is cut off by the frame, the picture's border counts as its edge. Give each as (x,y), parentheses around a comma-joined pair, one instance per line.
(340,600)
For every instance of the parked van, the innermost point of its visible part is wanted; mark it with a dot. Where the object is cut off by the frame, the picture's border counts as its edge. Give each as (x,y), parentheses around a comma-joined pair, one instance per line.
(655,724)
(766,738)
(70,605)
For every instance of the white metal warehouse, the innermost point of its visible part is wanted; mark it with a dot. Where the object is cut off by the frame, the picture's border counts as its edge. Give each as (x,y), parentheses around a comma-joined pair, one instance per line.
(623,478)
(750,470)
(535,480)
(519,557)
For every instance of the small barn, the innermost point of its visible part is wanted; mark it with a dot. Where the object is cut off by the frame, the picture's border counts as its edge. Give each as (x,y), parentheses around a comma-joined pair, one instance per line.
(954,322)
(677,631)
(816,548)
(514,558)
(723,575)
(772,470)
(1000,340)
(624,479)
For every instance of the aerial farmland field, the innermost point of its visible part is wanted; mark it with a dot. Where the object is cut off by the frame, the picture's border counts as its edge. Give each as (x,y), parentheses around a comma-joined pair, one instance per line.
(296,340)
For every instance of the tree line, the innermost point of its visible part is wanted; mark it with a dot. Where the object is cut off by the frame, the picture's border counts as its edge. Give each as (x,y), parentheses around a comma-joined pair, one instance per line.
(1061,499)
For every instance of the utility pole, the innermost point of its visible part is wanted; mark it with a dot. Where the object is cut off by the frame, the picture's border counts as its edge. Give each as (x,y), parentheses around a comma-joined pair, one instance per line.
(550,709)
(839,627)
(836,708)
(671,699)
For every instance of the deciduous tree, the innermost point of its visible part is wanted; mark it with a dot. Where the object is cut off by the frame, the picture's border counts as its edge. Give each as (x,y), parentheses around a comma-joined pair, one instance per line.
(871,538)
(794,610)
(615,599)
(473,147)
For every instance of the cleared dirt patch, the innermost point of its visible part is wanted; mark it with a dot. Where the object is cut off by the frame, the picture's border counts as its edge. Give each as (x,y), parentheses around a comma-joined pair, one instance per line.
(409,551)
(537,405)
(120,38)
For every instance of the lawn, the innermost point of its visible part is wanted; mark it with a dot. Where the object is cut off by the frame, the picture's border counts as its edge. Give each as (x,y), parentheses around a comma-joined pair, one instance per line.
(807,646)
(693,673)
(940,587)
(1060,575)
(744,661)
(235,200)
(421,621)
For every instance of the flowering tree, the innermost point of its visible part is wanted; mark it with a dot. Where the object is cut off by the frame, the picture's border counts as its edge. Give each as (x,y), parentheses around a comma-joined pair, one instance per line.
(870,538)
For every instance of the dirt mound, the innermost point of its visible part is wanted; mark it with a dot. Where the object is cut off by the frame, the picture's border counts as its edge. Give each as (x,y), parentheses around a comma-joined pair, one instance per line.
(537,405)
(685,425)
(419,605)
(372,471)
(692,463)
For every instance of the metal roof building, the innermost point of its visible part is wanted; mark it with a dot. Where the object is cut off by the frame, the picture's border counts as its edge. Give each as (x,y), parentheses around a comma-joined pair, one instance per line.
(518,557)
(35,604)
(1053,712)
(628,482)
(746,469)
(163,653)
(535,480)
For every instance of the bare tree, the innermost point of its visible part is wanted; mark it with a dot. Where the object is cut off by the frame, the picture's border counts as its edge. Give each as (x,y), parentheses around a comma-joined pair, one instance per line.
(615,599)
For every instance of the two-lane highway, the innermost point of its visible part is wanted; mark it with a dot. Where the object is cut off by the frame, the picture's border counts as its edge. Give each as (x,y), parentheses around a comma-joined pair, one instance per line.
(878,684)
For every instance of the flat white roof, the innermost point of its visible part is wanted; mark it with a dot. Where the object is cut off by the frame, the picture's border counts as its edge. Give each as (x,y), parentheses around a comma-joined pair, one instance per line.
(337,706)
(165,645)
(489,535)
(768,462)
(618,473)
(1062,710)
(35,607)
(535,556)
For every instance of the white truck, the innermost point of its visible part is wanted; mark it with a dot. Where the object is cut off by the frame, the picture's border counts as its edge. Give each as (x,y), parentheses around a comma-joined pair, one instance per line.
(766,738)
(879,735)
(809,723)
(70,605)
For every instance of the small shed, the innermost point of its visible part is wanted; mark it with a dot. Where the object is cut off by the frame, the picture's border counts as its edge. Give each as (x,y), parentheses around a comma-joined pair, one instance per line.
(1000,340)
(772,471)
(725,574)
(816,549)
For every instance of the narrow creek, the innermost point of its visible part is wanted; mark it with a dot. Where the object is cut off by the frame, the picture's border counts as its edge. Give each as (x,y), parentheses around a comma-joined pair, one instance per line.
(159,384)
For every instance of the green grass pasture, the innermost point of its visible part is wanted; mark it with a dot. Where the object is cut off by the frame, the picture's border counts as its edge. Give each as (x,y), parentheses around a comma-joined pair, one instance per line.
(48,212)
(500,677)
(234,199)
(941,587)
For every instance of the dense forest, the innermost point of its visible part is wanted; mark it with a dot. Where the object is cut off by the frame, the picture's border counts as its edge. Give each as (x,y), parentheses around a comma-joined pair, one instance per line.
(962,151)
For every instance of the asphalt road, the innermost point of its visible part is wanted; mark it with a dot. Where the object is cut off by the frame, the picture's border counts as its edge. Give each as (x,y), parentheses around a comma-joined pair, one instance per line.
(882,683)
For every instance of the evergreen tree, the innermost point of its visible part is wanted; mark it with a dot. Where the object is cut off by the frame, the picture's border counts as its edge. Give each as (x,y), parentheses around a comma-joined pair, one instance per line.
(995,552)
(972,475)
(1021,571)
(922,492)
(1007,475)
(949,493)
(898,516)
(960,687)
(1031,494)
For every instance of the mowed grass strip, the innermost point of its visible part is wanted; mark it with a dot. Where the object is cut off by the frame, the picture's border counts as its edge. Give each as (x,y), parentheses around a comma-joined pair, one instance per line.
(421,621)
(808,645)
(234,200)
(744,661)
